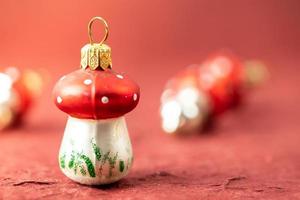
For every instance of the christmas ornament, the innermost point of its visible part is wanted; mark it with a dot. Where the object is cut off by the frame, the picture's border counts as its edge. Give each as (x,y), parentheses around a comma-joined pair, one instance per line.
(19,88)
(184,106)
(199,93)
(96,148)
(221,75)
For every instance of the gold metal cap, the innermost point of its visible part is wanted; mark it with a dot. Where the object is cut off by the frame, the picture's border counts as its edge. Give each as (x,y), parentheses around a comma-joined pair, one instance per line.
(95,55)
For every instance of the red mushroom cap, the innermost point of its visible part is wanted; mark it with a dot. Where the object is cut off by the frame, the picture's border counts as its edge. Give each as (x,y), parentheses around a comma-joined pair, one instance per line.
(221,75)
(186,78)
(96,94)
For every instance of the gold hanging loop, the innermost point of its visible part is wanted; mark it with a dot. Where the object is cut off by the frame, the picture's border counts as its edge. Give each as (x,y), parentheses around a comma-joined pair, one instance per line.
(90,29)
(96,55)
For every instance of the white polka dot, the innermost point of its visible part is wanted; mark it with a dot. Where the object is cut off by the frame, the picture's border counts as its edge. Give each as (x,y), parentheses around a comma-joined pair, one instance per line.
(104,100)
(87,81)
(62,78)
(59,99)
(120,76)
(135,97)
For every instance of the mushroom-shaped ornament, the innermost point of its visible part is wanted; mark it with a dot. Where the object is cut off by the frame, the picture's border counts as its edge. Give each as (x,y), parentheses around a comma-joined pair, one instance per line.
(96,148)
(185,106)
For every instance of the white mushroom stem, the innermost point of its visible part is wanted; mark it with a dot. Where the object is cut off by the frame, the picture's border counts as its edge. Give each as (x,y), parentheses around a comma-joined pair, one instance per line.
(185,112)
(95,152)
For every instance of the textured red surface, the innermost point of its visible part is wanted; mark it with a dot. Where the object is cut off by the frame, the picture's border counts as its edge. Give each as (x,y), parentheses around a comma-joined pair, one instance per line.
(253,152)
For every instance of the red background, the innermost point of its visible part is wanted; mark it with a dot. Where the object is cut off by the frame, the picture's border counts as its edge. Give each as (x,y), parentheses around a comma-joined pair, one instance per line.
(152,40)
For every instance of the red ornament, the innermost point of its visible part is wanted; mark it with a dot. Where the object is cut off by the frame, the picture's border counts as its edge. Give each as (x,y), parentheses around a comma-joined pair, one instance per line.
(199,93)
(21,88)
(184,105)
(221,75)
(96,94)
(96,98)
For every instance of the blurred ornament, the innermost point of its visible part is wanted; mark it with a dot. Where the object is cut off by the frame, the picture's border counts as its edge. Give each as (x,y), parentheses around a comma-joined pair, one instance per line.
(221,76)
(199,93)
(185,105)
(17,92)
